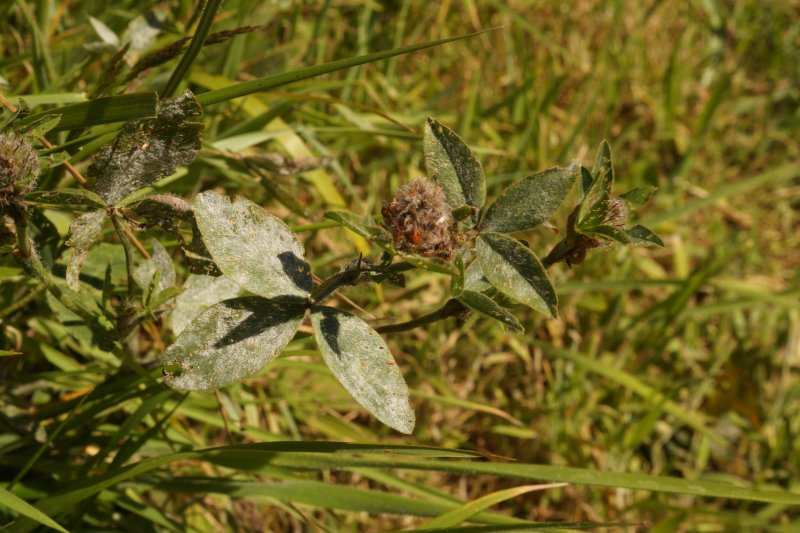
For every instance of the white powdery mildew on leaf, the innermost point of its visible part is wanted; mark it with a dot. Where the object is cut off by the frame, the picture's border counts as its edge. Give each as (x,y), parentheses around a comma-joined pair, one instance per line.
(517,272)
(485,305)
(146,150)
(359,358)
(230,341)
(452,165)
(83,233)
(159,262)
(531,200)
(253,248)
(199,293)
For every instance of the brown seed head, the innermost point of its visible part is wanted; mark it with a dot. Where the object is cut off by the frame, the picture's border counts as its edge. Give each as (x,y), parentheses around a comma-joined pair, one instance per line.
(19,167)
(419,219)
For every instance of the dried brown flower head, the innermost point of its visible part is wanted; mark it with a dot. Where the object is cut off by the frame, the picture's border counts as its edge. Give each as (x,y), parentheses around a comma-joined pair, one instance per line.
(19,167)
(419,219)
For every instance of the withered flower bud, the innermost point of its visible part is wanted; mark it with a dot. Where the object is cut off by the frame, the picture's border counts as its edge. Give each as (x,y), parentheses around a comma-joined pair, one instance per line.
(419,219)
(19,167)
(616,216)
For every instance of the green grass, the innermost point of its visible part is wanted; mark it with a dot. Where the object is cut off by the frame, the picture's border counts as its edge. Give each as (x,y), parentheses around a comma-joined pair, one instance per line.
(667,393)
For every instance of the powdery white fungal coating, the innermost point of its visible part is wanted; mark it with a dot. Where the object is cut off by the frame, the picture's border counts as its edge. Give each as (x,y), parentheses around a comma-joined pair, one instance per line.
(363,364)
(199,293)
(253,248)
(230,341)
(517,272)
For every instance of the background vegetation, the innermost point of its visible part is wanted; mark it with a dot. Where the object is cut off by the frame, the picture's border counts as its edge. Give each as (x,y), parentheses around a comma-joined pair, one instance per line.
(682,361)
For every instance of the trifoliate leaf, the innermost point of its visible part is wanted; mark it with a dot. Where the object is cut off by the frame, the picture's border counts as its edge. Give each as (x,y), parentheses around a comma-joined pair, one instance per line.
(486,306)
(83,232)
(230,341)
(253,248)
(199,293)
(146,150)
(516,271)
(530,201)
(359,358)
(453,166)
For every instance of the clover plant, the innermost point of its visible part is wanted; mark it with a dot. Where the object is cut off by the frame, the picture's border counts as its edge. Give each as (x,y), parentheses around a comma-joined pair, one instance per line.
(250,285)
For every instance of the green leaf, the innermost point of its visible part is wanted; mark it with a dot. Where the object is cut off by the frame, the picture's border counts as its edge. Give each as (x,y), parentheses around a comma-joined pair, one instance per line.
(360,226)
(83,232)
(199,293)
(593,208)
(160,263)
(359,358)
(586,180)
(20,506)
(66,198)
(468,510)
(516,271)
(603,169)
(639,196)
(486,306)
(453,166)
(531,200)
(474,279)
(120,108)
(285,78)
(253,248)
(642,236)
(609,233)
(43,124)
(230,341)
(145,151)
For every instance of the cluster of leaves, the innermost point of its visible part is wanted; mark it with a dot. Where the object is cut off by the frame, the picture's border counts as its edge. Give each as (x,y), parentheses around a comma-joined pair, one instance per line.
(225,336)
(236,337)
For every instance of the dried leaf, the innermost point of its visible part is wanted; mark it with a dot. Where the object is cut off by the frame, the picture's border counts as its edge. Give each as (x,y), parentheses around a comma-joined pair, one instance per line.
(145,151)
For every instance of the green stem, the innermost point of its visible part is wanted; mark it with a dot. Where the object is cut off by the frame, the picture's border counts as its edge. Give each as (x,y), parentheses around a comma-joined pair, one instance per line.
(198,40)
(449,309)
(126,248)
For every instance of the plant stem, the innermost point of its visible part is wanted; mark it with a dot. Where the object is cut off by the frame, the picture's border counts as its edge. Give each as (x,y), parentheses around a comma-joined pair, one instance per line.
(450,308)
(126,247)
(558,253)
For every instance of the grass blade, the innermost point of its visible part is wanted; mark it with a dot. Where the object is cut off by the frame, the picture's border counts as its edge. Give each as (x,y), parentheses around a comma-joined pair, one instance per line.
(119,108)
(470,509)
(285,78)
(198,40)
(18,505)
